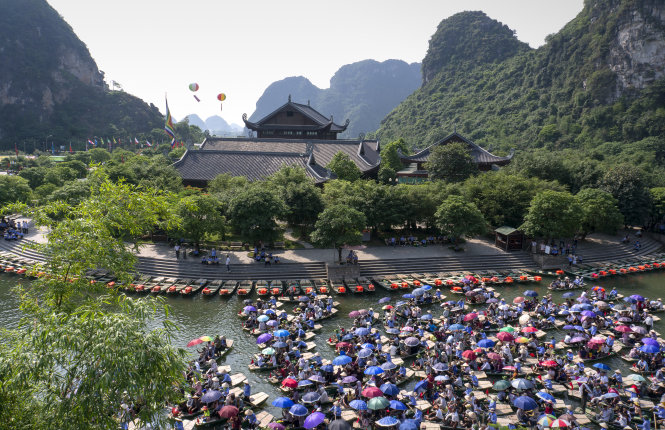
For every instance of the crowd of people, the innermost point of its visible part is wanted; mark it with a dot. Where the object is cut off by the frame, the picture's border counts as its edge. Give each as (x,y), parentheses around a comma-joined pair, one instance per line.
(12,229)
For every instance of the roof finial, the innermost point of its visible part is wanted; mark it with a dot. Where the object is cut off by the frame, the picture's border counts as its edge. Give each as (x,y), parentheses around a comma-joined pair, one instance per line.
(289,97)
(455,128)
(307,102)
(331,117)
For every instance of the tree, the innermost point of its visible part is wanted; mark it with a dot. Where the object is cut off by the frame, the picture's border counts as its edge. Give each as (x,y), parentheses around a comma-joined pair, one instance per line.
(344,168)
(390,157)
(599,212)
(303,203)
(338,225)
(34,175)
(253,211)
(73,193)
(99,155)
(82,349)
(451,162)
(225,182)
(13,189)
(200,215)
(657,204)
(553,214)
(456,218)
(626,184)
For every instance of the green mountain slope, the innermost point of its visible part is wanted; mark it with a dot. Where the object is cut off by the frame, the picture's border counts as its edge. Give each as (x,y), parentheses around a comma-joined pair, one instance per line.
(363,92)
(599,79)
(50,85)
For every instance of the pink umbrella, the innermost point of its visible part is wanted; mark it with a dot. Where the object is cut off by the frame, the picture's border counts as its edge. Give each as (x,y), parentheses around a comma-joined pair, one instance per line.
(493,356)
(559,424)
(371,392)
(529,330)
(518,300)
(504,336)
(470,316)
(469,355)
(195,342)
(624,329)
(354,314)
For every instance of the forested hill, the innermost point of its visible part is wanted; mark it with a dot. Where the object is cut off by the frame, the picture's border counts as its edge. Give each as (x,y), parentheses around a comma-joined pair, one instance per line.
(599,79)
(363,92)
(50,85)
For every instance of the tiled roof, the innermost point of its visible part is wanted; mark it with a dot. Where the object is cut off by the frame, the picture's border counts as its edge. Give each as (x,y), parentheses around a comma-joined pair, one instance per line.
(480,155)
(206,165)
(308,111)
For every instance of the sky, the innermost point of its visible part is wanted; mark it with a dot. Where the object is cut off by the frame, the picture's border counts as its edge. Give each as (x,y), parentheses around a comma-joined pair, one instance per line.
(239,47)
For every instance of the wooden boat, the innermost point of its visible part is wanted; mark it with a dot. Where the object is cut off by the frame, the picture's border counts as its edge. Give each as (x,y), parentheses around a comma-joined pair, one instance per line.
(321,286)
(245,288)
(292,288)
(194,288)
(160,284)
(276,287)
(353,286)
(178,286)
(228,288)
(212,288)
(262,288)
(307,286)
(366,284)
(338,286)
(142,284)
(385,283)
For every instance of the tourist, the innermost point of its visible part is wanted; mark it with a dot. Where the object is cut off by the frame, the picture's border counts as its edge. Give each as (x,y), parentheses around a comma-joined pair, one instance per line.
(228,262)
(177,250)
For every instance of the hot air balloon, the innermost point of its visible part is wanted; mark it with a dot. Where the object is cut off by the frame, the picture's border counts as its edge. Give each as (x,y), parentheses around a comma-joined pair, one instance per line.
(221,97)
(194,87)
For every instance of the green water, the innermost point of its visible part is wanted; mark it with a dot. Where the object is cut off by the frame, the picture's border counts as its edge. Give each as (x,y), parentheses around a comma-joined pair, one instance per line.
(200,315)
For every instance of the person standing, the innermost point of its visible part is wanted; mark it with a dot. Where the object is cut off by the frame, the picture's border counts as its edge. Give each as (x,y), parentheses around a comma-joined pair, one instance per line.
(228,262)
(177,250)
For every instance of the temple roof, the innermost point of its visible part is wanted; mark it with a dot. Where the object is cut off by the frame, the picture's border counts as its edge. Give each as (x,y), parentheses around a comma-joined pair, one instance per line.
(320,122)
(480,155)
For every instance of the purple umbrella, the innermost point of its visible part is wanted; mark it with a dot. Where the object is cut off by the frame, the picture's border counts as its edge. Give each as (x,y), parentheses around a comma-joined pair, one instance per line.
(589,314)
(354,314)
(317,378)
(650,341)
(276,426)
(577,339)
(349,379)
(412,341)
(272,323)
(639,329)
(265,337)
(248,309)
(637,297)
(314,420)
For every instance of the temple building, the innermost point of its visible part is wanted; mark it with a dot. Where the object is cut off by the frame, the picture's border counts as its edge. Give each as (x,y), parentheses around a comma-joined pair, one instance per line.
(292,135)
(414,170)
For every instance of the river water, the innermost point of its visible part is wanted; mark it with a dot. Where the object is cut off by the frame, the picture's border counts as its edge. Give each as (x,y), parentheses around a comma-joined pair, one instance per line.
(198,316)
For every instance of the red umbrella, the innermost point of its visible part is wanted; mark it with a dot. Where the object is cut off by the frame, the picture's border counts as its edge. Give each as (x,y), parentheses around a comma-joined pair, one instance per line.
(529,330)
(549,363)
(518,299)
(342,345)
(228,412)
(624,329)
(471,316)
(493,356)
(469,355)
(195,342)
(504,336)
(290,382)
(371,392)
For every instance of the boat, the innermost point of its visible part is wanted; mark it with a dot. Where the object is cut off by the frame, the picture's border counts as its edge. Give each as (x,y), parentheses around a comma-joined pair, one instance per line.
(366,284)
(292,288)
(160,285)
(338,286)
(384,282)
(142,284)
(245,288)
(194,288)
(178,286)
(228,288)
(321,286)
(276,287)
(307,286)
(262,288)
(212,288)
(353,286)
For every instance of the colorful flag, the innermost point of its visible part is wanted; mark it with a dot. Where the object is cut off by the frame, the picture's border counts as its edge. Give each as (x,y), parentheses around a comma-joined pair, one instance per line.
(52,148)
(96,143)
(168,125)
(70,148)
(91,142)
(148,143)
(136,141)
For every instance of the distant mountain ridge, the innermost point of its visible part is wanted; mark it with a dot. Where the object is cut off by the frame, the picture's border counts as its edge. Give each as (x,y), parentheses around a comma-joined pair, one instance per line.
(364,92)
(216,125)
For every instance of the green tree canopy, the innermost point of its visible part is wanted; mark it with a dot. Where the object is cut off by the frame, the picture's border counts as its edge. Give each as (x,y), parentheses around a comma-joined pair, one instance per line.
(200,215)
(627,185)
(657,204)
(303,203)
(253,211)
(553,214)
(456,218)
(344,168)
(338,225)
(13,189)
(451,163)
(224,183)
(599,211)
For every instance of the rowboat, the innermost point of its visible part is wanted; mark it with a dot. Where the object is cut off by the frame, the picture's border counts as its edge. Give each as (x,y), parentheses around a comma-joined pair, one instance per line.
(159,285)
(228,288)
(212,288)
(194,287)
(178,286)
(321,286)
(366,284)
(262,288)
(338,286)
(385,283)
(292,288)
(353,286)
(245,287)
(276,287)
(307,286)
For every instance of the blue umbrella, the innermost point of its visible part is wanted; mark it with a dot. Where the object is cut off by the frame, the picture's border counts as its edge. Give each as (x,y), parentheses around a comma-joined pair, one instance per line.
(568,295)
(389,389)
(327,368)
(576,308)
(368,346)
(265,337)
(530,293)
(263,318)
(387,421)
(311,397)
(418,292)
(421,386)
(314,420)
(388,365)
(569,327)
(305,383)
(629,300)
(400,303)
(456,327)
(347,336)
(298,410)
(427,287)
(525,403)
(392,330)
(342,360)
(211,396)
(373,370)
(397,405)
(578,328)
(546,396)
(317,378)
(410,425)
(272,323)
(637,298)
(589,314)
(439,367)
(248,309)
(384,300)
(486,343)
(602,366)
(609,395)
(408,296)
(269,312)
(279,345)
(281,333)
(649,341)
(426,317)
(362,331)
(358,405)
(364,353)
(282,402)
(650,349)
(564,312)
(586,306)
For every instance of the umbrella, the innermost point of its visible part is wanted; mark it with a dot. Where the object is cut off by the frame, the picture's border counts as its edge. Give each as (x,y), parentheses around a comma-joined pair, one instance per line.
(276,426)
(521,384)
(549,363)
(426,317)
(441,378)
(456,327)
(339,425)
(407,329)
(530,293)
(358,405)
(390,389)
(635,377)
(611,395)
(409,425)
(373,370)
(305,383)
(342,345)
(392,330)
(354,314)
(470,316)
(522,339)
(263,318)
(371,392)
(525,403)
(377,403)
(397,405)
(268,351)
(602,366)
(265,337)
(362,331)
(314,420)
(623,329)
(368,345)
(408,296)
(327,368)
(269,312)
(387,307)
(290,382)
(568,295)
(501,385)
(418,292)
(545,420)
(298,410)
(589,314)
(518,300)
(546,396)
(272,323)
(411,341)
(563,312)
(388,365)
(639,329)
(529,330)
(342,360)
(486,343)
(364,353)
(228,411)
(427,287)
(421,385)
(194,342)
(568,327)
(248,309)
(493,356)
(560,424)
(469,355)
(349,379)
(387,421)
(508,329)
(504,336)
(281,333)
(279,345)
(311,397)
(282,402)
(650,341)
(650,349)
(384,300)
(317,378)
(211,396)
(637,297)
(602,305)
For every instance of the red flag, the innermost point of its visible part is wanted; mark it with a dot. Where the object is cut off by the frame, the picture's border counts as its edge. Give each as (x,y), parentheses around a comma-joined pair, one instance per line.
(70,148)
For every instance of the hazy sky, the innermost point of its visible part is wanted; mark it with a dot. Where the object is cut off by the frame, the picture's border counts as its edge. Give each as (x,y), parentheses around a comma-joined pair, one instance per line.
(240,47)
